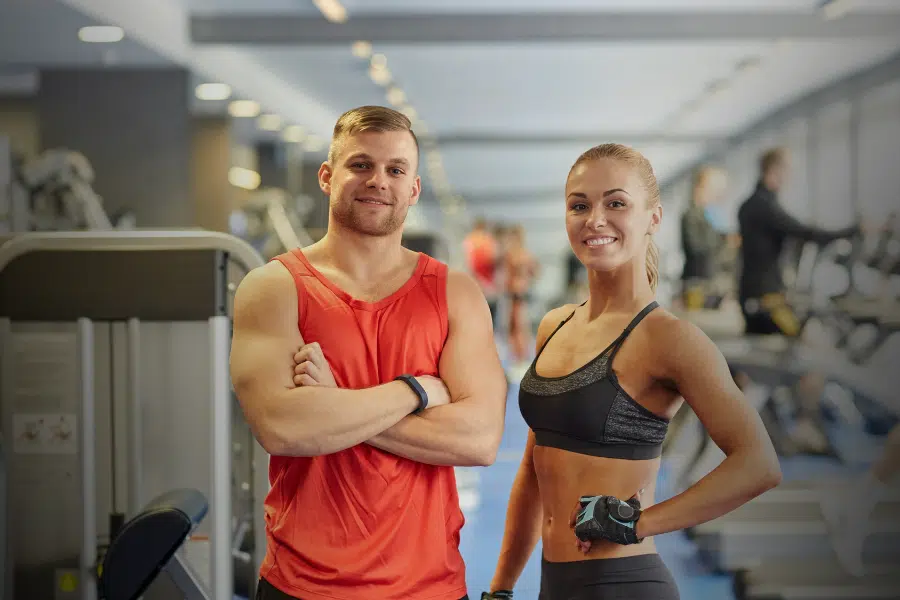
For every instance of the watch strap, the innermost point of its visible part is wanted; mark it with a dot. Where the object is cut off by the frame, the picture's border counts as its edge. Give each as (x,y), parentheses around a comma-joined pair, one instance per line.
(417,388)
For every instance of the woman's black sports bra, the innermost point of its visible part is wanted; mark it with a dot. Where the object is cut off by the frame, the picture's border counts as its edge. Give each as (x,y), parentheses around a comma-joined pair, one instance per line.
(587,411)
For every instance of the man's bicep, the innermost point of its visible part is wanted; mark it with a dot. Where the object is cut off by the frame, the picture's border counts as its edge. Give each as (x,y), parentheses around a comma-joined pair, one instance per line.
(470,365)
(265,335)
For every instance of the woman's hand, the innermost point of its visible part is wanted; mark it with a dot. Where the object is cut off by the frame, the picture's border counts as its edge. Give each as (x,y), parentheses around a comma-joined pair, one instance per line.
(605,518)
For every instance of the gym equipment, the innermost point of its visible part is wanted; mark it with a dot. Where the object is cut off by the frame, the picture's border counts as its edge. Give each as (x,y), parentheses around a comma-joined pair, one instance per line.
(117,394)
(787,523)
(58,195)
(4,578)
(777,545)
(781,580)
(148,544)
(272,222)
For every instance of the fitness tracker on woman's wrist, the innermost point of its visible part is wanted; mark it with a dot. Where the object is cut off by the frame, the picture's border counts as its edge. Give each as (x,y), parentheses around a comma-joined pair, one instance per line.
(418,389)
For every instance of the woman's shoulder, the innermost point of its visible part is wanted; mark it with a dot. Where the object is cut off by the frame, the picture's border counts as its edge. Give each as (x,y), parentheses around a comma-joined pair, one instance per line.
(672,333)
(553,318)
(560,313)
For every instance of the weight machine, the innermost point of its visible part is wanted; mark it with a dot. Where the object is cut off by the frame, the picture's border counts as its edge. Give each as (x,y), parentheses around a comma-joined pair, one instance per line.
(116,395)
(52,192)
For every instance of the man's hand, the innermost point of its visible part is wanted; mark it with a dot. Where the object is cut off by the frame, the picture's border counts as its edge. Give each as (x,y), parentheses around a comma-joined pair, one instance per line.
(438,394)
(312,369)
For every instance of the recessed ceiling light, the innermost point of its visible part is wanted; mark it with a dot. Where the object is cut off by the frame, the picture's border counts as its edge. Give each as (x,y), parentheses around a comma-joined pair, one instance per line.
(101,34)
(244,108)
(243,178)
(213,91)
(380,76)
(293,134)
(396,96)
(362,49)
(410,113)
(379,61)
(269,123)
(331,10)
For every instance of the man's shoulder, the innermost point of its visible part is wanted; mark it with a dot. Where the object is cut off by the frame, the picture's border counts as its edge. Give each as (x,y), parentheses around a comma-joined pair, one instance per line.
(461,283)
(264,293)
(266,283)
(273,273)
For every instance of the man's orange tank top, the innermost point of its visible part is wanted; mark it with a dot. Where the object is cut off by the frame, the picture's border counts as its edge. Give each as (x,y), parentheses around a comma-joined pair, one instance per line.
(363,523)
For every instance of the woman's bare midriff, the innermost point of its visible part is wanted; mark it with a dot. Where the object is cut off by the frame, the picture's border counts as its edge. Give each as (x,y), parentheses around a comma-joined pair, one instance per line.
(564,477)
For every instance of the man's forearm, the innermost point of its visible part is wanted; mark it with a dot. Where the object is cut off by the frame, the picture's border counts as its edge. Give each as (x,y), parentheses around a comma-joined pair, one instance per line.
(456,434)
(312,421)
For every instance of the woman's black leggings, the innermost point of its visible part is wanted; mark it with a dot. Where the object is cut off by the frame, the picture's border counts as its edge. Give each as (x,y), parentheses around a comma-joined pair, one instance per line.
(643,577)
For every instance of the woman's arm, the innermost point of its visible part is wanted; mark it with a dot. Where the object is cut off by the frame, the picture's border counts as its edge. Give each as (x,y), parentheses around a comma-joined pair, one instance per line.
(523,523)
(524,512)
(693,363)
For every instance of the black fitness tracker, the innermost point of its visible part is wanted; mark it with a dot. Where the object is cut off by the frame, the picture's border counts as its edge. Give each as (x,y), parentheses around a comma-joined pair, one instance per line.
(417,388)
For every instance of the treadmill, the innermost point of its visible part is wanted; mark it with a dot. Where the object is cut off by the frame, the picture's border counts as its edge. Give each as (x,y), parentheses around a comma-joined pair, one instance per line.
(784,528)
(817,579)
(816,573)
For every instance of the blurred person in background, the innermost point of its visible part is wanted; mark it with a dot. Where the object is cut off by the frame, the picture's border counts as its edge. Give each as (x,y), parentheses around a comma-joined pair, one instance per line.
(765,227)
(482,253)
(521,270)
(703,239)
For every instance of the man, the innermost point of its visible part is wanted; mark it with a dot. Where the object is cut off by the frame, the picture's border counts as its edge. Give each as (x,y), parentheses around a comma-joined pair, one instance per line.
(363,501)
(481,255)
(764,227)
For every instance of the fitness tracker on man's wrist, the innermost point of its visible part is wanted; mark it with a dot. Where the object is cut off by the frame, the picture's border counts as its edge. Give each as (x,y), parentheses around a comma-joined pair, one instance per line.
(418,389)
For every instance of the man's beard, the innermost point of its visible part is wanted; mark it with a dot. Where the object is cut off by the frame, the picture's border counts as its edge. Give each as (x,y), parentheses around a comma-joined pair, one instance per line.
(350,216)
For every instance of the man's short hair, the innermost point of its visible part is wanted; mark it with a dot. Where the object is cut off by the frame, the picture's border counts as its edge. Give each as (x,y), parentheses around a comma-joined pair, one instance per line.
(771,158)
(369,118)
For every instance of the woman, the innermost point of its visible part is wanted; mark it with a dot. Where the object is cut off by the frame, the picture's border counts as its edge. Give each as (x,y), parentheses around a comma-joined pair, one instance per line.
(608,376)
(521,269)
(701,241)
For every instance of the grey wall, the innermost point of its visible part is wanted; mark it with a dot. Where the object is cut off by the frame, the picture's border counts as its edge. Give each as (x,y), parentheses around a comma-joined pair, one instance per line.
(134,127)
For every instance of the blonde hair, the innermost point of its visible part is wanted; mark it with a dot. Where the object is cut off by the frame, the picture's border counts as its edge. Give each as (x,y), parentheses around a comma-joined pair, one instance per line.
(638,161)
(369,118)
